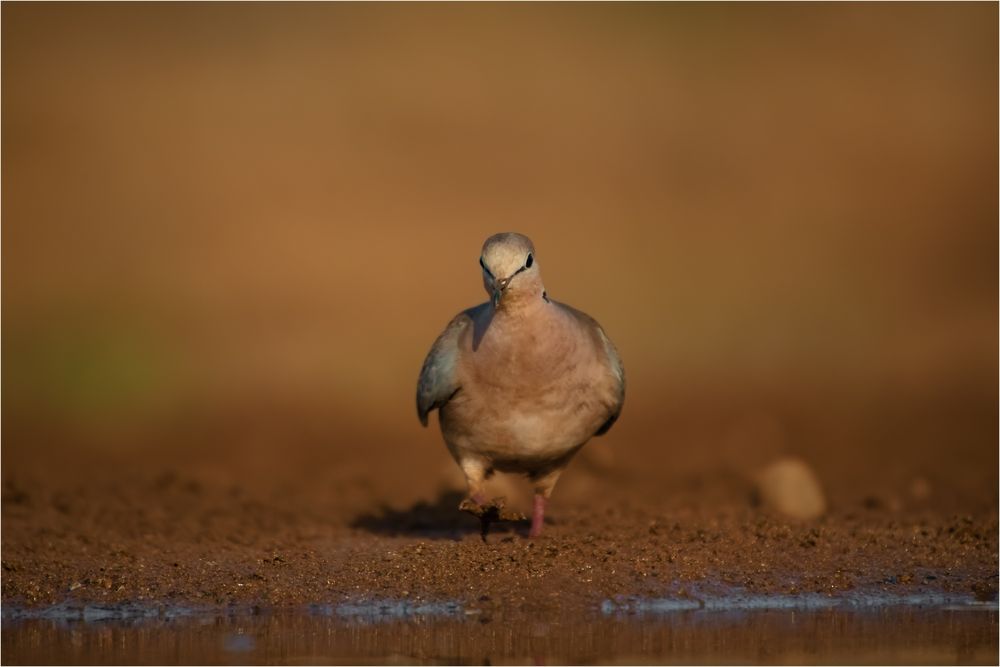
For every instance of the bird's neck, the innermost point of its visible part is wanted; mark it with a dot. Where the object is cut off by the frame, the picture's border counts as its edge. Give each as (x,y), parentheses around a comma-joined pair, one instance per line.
(522,304)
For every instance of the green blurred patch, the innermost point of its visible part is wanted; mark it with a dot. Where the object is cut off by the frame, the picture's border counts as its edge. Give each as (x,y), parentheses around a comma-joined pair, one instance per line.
(85,369)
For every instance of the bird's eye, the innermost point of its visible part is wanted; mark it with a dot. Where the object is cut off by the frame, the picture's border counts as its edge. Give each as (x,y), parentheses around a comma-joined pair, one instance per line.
(483,264)
(528,262)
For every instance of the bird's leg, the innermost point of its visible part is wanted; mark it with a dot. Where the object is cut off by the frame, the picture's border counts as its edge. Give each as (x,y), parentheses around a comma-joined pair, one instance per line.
(475,475)
(537,515)
(543,489)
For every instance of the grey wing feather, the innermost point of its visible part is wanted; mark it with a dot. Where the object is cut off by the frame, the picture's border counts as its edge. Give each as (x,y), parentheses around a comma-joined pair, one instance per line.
(437,382)
(619,371)
(614,364)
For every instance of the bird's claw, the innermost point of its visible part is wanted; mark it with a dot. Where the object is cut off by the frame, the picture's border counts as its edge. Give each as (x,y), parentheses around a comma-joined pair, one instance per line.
(495,510)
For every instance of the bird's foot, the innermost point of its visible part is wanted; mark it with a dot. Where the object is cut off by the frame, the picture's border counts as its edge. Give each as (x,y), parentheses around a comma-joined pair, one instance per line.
(487,513)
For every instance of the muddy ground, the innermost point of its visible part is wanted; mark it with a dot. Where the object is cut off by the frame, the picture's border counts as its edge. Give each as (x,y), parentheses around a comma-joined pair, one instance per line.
(223,512)
(231,233)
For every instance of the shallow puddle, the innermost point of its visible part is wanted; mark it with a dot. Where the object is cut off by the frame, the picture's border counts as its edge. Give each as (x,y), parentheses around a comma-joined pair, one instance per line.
(809,629)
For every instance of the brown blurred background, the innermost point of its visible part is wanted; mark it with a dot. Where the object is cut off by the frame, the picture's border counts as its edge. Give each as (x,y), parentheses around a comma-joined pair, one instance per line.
(237,228)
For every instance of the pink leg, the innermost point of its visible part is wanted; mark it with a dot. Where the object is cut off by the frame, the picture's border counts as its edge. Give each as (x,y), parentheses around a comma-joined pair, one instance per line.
(537,516)
(479,498)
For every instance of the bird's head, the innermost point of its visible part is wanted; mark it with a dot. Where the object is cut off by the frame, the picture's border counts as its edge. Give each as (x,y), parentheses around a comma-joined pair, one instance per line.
(510,270)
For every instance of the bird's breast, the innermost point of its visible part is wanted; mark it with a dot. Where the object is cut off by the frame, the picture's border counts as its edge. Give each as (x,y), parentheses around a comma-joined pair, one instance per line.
(526,394)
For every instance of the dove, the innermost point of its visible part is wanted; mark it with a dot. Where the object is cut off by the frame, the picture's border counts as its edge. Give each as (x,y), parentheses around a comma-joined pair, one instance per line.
(520,382)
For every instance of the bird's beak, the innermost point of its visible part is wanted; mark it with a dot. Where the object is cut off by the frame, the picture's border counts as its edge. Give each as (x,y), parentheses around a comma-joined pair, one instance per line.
(498,288)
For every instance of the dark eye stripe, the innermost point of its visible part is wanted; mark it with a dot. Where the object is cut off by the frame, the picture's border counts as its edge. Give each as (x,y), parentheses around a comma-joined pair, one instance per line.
(483,264)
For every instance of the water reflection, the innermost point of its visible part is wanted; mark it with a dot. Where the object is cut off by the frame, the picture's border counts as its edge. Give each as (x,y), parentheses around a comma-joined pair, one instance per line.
(239,642)
(736,600)
(435,633)
(383,610)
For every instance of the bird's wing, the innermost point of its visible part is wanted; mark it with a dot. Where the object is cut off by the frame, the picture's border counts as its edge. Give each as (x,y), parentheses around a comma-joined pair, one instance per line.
(437,382)
(615,362)
(615,366)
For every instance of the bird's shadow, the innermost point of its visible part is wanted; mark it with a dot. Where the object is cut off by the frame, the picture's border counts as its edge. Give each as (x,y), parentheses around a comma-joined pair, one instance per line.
(437,520)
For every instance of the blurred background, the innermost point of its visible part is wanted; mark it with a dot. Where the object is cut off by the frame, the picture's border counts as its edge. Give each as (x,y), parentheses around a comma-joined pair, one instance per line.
(232,231)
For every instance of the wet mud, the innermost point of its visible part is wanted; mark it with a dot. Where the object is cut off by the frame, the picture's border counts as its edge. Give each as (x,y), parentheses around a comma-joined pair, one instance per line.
(256,558)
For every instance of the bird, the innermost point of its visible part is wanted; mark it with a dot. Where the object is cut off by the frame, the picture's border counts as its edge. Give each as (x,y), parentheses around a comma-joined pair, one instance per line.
(520,382)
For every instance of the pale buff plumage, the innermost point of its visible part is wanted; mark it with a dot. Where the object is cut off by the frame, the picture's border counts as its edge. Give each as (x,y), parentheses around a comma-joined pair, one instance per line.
(521,382)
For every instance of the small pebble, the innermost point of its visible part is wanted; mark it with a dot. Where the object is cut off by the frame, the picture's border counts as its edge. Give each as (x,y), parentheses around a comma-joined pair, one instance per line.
(790,487)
